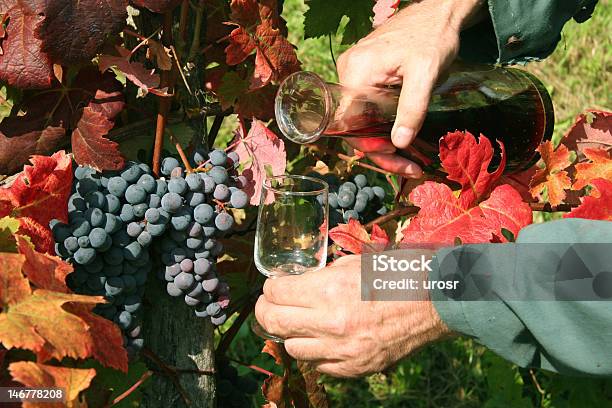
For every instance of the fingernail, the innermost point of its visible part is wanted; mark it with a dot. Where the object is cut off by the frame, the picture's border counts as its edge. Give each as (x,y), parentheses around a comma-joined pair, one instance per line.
(402,137)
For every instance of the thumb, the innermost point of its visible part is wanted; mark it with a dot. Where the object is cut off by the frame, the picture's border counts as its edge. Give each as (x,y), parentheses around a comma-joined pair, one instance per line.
(418,83)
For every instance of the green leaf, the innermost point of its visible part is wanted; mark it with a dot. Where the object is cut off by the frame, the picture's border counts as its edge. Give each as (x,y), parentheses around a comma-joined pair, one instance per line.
(232,87)
(9,96)
(323,17)
(109,384)
(8,228)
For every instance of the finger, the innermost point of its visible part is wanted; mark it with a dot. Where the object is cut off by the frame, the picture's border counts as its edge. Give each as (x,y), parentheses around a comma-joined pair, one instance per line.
(289,290)
(288,321)
(371,144)
(419,80)
(396,164)
(310,349)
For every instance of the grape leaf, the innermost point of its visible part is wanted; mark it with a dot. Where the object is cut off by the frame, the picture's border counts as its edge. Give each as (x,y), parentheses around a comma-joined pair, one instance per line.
(74,31)
(275,57)
(383,10)
(260,148)
(591,129)
(354,238)
(89,145)
(233,91)
(552,176)
(50,113)
(14,287)
(9,97)
(71,380)
(44,271)
(157,6)
(323,17)
(442,219)
(41,191)
(22,63)
(136,72)
(8,228)
(466,162)
(596,206)
(600,167)
(33,324)
(39,234)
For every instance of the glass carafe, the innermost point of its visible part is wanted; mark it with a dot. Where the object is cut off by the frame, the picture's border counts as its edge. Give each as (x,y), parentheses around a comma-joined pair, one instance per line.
(507,104)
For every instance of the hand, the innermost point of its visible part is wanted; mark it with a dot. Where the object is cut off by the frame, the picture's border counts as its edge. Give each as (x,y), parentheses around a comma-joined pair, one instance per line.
(323,319)
(413,49)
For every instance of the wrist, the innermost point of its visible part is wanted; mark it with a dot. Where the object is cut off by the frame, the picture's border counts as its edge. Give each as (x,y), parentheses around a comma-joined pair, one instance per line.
(461,14)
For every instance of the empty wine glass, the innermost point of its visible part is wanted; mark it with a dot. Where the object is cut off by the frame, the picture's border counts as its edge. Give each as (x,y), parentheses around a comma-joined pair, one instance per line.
(292,228)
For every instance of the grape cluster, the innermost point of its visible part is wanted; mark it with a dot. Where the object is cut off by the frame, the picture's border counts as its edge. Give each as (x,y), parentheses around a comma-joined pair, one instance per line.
(193,213)
(233,390)
(107,241)
(354,198)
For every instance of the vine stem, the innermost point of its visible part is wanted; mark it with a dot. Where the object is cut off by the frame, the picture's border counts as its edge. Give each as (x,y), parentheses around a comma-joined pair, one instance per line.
(170,372)
(180,151)
(165,101)
(130,390)
(252,367)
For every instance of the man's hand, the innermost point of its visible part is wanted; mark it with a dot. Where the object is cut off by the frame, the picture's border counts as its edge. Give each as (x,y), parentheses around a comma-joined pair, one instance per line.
(413,49)
(323,319)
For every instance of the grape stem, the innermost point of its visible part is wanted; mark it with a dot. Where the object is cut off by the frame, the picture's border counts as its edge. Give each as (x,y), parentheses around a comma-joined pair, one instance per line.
(252,367)
(180,151)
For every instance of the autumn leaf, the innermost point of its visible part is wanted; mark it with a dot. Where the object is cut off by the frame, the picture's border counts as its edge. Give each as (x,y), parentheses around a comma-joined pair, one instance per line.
(306,387)
(89,145)
(74,31)
(34,323)
(71,380)
(136,72)
(160,53)
(598,205)
(157,6)
(591,129)
(39,234)
(260,31)
(43,270)
(8,228)
(260,148)
(354,238)
(552,176)
(41,191)
(383,10)
(50,114)
(14,287)
(442,219)
(599,167)
(466,162)
(22,62)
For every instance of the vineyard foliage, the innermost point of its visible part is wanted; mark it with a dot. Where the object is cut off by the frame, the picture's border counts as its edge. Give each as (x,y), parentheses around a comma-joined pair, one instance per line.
(78,78)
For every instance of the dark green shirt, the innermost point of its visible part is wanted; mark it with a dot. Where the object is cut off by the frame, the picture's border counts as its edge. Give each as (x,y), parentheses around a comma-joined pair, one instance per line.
(519,31)
(569,337)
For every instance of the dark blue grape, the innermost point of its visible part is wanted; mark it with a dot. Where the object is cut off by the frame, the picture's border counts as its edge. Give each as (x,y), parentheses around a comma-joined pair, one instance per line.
(171,202)
(148,183)
(360,205)
(186,265)
(219,175)
(84,256)
(222,193)
(113,204)
(348,214)
(210,285)
(173,290)
(80,227)
(71,244)
(184,281)
(152,215)
(95,216)
(153,201)
(177,185)
(218,157)
(360,180)
(194,181)
(203,213)
(193,199)
(209,183)
(133,251)
(131,173)
(98,238)
(83,241)
(168,164)
(162,187)
(96,199)
(135,194)
(134,229)
(117,186)
(379,192)
(145,238)
(140,209)
(127,213)
(190,301)
(224,222)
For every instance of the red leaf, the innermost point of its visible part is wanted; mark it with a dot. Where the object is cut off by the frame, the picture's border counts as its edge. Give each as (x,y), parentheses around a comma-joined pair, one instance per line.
(134,71)
(383,10)
(241,45)
(259,149)
(44,271)
(274,349)
(157,6)
(244,12)
(553,177)
(74,31)
(15,150)
(41,191)
(590,130)
(14,287)
(354,238)
(597,206)
(600,167)
(89,145)
(466,162)
(22,63)
(71,380)
(442,219)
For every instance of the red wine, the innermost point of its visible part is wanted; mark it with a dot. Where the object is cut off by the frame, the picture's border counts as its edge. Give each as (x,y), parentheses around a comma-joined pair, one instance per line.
(521,121)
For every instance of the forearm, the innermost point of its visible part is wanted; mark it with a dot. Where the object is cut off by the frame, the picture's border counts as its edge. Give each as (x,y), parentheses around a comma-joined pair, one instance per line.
(522,319)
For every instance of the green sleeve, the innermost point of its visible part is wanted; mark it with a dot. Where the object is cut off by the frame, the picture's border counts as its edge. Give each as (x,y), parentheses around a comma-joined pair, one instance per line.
(519,31)
(569,337)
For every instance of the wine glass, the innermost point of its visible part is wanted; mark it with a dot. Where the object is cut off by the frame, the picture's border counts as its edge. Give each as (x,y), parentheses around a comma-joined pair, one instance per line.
(292,229)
